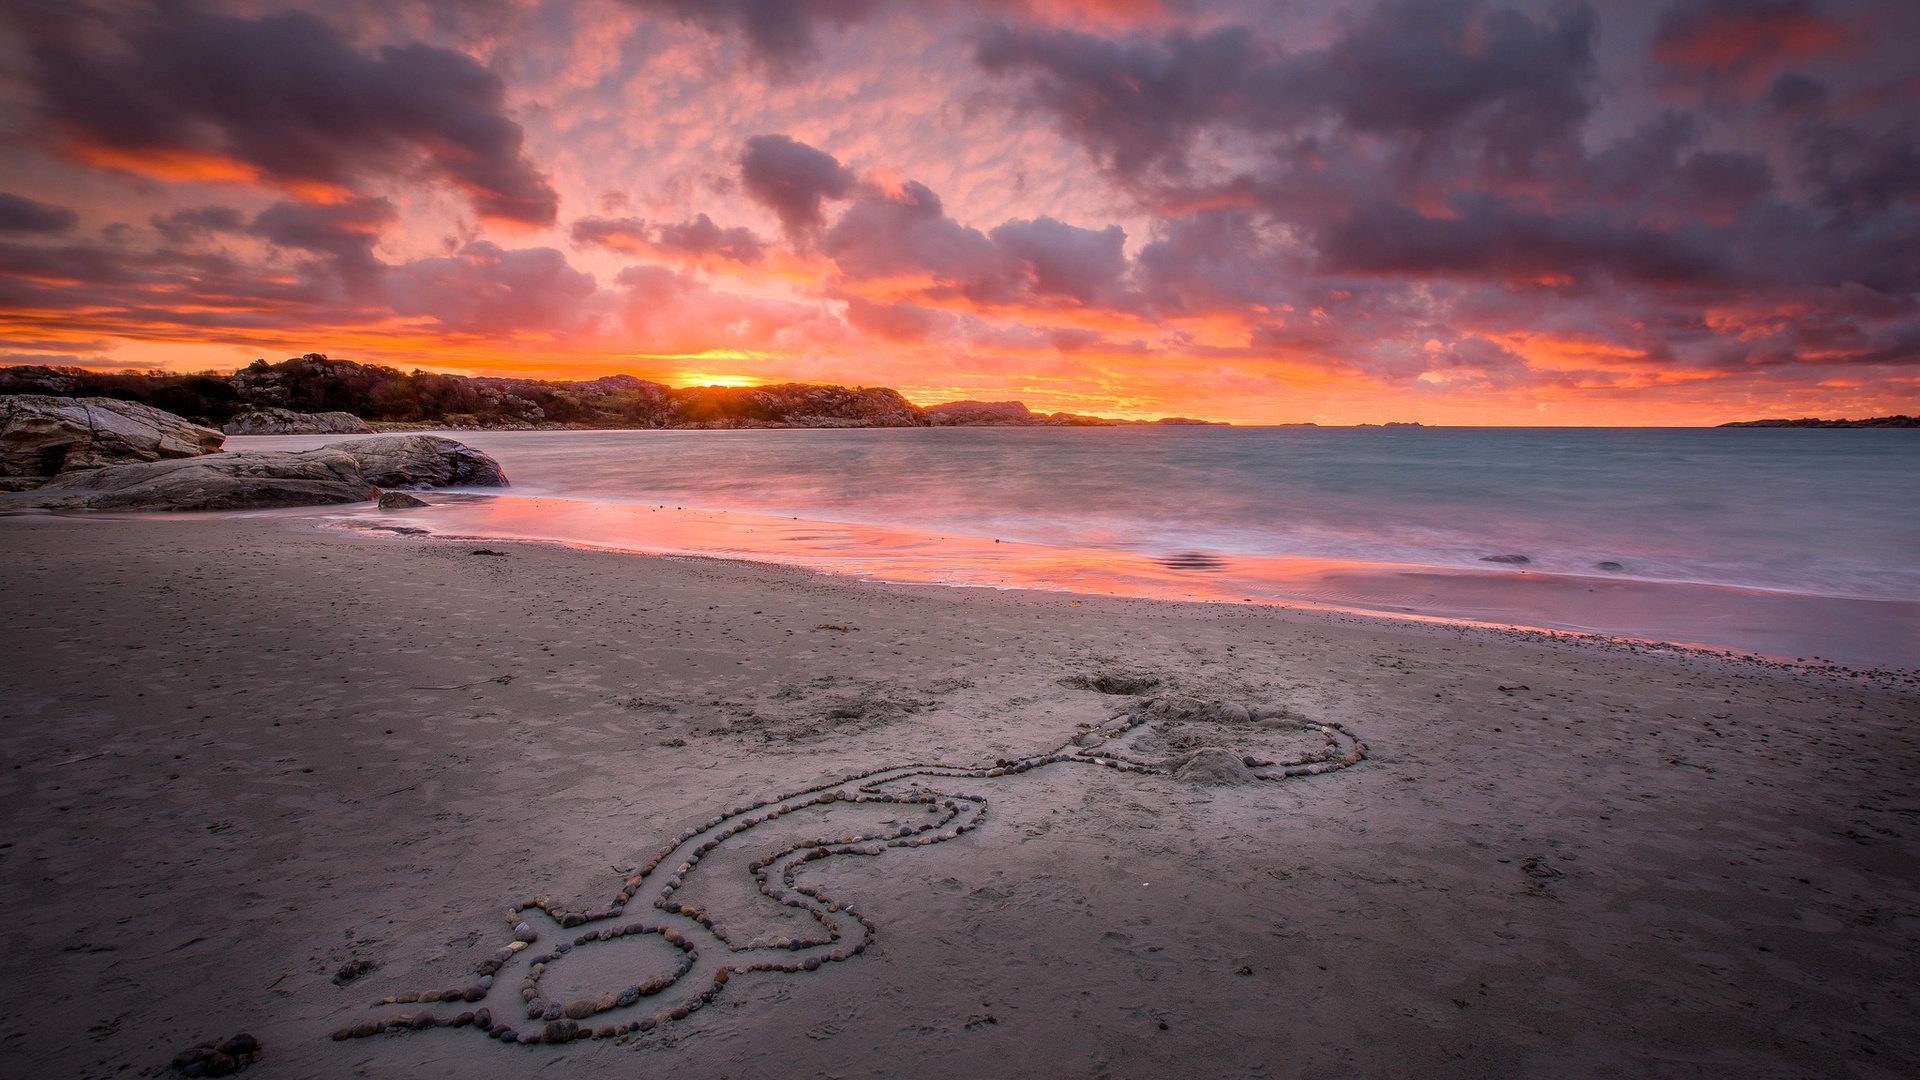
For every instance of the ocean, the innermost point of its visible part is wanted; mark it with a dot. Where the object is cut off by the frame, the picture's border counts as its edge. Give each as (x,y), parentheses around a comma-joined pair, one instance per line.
(1778,541)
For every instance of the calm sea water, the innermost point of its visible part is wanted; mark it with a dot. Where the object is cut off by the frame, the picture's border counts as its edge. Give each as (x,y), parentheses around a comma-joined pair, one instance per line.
(1816,513)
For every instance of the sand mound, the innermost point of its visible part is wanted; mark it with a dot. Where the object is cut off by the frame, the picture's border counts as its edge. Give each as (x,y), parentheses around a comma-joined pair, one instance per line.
(1177,707)
(1213,766)
(1113,682)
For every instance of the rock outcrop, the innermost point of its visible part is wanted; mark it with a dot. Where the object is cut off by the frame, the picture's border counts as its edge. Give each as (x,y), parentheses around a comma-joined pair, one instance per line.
(47,436)
(276,421)
(345,472)
(970,413)
(421,461)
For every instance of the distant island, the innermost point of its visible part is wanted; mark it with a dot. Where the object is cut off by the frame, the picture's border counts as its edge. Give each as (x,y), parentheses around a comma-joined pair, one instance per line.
(1808,421)
(250,400)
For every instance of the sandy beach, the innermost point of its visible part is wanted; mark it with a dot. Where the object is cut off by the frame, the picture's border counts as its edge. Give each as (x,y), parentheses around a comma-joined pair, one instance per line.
(243,757)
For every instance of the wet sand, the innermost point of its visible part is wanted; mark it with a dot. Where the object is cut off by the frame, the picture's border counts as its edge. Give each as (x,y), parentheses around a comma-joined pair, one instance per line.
(1856,632)
(238,755)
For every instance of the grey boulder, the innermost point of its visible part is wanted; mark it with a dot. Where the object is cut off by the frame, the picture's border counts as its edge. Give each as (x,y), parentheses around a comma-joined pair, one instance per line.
(421,461)
(41,435)
(345,472)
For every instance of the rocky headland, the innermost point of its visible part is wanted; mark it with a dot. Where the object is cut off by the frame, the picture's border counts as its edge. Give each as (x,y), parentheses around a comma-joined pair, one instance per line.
(1016,414)
(314,394)
(1901,421)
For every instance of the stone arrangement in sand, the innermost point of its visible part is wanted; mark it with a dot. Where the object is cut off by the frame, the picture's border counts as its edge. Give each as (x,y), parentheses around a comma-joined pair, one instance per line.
(711,941)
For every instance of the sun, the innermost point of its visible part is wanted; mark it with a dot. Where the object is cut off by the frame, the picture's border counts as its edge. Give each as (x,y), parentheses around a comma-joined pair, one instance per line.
(686,376)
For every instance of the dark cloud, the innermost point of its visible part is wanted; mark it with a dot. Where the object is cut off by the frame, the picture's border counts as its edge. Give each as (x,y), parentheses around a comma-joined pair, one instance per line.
(793,179)
(194,222)
(904,235)
(1854,173)
(88,290)
(781,33)
(1505,86)
(1657,173)
(699,238)
(1211,261)
(1742,41)
(1794,94)
(285,99)
(1084,265)
(19,214)
(629,235)
(1503,89)
(488,290)
(1494,239)
(702,237)
(343,234)
(889,234)
(1134,104)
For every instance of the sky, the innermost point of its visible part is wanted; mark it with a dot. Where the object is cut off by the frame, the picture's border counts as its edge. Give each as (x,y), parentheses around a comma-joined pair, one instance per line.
(1441,211)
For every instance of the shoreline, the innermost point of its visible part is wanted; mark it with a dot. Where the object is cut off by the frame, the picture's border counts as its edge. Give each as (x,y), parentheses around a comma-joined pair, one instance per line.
(1874,635)
(243,755)
(1647,645)
(1463,589)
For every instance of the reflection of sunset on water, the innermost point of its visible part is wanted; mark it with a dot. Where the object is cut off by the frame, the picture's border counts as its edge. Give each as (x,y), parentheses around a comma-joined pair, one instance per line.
(1714,617)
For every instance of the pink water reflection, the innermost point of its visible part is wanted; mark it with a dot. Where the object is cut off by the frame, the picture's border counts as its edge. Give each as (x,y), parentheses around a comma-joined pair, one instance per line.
(1866,633)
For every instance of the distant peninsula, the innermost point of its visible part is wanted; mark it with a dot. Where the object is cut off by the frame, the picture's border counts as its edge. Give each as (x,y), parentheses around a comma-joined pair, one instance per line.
(1808,421)
(249,400)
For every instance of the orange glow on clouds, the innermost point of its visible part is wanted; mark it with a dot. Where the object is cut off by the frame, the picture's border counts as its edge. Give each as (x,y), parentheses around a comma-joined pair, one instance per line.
(1118,217)
(181,165)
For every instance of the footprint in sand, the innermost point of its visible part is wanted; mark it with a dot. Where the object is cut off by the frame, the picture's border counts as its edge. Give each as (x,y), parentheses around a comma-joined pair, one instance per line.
(723,899)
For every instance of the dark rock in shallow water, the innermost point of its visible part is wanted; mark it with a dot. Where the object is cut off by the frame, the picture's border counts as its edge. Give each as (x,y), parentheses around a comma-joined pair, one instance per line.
(400,500)
(344,472)
(1608,565)
(1516,560)
(45,436)
(421,461)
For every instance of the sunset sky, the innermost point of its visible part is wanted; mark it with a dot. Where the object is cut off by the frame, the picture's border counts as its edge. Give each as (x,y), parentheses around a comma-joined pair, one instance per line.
(1434,210)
